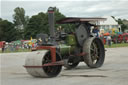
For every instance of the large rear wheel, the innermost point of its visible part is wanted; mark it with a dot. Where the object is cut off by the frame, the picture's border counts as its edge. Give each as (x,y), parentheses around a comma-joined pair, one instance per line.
(95,52)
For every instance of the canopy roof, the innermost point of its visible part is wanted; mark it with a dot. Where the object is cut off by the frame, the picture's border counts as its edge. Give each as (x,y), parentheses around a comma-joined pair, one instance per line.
(78,19)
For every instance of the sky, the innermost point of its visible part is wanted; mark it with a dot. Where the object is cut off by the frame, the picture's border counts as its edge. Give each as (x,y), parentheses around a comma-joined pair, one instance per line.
(70,8)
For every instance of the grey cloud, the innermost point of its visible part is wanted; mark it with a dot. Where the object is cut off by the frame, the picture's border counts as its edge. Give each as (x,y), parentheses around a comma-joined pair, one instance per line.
(81,8)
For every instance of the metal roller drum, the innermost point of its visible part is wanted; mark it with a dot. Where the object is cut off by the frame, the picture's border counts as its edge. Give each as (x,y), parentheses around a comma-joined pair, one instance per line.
(35,61)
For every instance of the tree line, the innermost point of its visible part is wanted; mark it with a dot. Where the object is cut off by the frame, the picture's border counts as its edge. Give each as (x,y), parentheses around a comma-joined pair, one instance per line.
(24,27)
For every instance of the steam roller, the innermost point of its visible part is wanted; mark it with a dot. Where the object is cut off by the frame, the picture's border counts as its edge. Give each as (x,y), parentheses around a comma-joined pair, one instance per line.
(65,49)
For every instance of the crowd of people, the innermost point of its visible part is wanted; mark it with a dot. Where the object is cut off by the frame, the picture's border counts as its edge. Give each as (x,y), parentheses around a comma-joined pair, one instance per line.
(12,47)
(108,38)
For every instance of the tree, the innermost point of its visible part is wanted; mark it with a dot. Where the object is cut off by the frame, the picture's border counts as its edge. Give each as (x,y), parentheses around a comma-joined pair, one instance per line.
(7,31)
(114,18)
(123,25)
(37,24)
(119,21)
(1,29)
(67,27)
(0,19)
(20,21)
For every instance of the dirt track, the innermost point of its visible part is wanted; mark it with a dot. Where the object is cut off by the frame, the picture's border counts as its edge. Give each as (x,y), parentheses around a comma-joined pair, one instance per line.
(113,72)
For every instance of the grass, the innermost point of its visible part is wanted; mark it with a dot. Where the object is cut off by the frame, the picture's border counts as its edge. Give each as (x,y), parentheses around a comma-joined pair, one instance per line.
(19,50)
(117,45)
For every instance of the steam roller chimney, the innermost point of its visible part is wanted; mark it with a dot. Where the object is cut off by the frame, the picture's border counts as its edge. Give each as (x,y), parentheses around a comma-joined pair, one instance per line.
(51,22)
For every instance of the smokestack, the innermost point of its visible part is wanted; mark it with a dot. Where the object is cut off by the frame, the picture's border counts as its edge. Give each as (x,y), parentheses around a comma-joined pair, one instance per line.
(51,22)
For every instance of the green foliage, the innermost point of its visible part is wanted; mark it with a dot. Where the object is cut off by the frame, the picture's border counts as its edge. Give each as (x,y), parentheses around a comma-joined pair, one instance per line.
(19,17)
(120,21)
(0,19)
(123,26)
(7,31)
(24,28)
(117,45)
(66,27)
(20,21)
(39,24)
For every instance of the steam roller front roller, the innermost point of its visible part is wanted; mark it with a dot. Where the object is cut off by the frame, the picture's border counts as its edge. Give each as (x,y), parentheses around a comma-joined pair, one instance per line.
(95,52)
(35,61)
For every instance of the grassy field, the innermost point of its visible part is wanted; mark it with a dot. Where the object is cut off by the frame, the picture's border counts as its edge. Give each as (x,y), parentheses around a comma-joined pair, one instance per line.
(19,50)
(117,45)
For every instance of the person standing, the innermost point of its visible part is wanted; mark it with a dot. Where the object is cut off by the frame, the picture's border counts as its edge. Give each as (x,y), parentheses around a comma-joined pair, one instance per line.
(96,31)
(109,40)
(3,47)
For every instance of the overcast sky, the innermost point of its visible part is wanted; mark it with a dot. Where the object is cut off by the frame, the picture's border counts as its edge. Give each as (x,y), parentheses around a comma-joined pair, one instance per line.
(70,8)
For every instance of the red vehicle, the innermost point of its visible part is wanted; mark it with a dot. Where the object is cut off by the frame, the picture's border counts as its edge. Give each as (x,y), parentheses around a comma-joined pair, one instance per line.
(2,43)
(120,38)
(125,37)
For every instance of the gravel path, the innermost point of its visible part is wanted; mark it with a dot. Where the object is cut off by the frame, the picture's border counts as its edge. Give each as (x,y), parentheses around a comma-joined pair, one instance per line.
(113,72)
